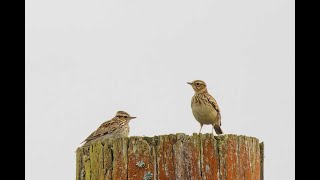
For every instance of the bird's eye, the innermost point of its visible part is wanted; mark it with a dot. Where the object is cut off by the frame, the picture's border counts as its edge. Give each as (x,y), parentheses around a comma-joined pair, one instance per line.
(125,116)
(197,84)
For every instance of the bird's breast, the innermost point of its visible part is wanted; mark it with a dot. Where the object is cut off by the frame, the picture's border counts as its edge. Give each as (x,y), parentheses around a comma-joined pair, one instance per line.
(204,113)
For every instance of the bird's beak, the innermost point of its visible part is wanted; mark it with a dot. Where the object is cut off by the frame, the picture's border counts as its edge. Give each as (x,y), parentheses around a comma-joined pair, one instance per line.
(133,117)
(189,83)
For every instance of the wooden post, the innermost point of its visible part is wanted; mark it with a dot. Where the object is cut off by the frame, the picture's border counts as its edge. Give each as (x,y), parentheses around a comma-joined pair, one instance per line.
(172,157)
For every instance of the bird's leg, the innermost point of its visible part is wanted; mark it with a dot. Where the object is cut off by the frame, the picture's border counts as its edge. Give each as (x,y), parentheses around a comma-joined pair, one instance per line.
(200,127)
(212,130)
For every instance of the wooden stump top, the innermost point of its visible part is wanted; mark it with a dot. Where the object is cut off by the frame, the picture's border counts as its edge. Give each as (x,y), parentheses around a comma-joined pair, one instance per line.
(171,157)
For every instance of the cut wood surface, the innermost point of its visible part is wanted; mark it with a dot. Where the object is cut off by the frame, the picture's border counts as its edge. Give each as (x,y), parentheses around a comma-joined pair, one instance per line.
(172,157)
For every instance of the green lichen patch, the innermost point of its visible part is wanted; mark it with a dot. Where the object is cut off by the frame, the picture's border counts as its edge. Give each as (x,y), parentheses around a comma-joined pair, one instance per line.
(147,176)
(140,164)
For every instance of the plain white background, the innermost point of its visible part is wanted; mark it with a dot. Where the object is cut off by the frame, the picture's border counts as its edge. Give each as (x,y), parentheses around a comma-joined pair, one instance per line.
(85,60)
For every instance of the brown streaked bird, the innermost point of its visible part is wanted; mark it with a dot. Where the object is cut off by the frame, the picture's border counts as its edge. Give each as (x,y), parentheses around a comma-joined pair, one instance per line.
(204,107)
(116,127)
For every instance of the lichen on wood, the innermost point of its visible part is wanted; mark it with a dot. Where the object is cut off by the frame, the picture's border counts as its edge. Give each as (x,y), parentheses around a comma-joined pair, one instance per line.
(170,157)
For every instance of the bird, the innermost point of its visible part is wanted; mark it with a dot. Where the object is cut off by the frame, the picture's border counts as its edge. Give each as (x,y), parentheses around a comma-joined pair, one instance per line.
(118,126)
(204,107)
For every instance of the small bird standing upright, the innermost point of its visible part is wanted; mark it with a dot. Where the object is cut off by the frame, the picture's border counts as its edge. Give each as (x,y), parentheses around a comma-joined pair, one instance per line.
(204,107)
(116,127)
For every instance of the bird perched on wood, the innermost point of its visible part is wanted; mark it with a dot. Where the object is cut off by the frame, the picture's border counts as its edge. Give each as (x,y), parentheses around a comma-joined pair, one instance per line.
(116,127)
(204,107)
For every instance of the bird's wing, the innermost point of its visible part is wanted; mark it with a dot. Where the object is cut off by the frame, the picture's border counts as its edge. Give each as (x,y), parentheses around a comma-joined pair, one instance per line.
(214,103)
(105,128)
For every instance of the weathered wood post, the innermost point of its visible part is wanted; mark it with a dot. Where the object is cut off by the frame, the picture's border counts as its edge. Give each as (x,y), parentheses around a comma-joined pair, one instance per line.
(171,157)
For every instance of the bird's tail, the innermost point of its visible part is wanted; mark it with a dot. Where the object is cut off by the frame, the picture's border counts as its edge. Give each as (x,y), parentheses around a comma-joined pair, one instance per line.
(217,129)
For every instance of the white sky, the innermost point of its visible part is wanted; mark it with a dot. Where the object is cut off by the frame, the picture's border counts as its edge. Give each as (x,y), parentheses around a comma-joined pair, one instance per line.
(85,60)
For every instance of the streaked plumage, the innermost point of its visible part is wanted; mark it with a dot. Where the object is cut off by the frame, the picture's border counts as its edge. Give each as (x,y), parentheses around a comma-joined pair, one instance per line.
(205,108)
(116,127)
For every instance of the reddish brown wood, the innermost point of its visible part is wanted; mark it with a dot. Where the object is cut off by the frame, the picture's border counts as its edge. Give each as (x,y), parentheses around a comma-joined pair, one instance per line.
(165,158)
(187,157)
(141,158)
(209,158)
(172,157)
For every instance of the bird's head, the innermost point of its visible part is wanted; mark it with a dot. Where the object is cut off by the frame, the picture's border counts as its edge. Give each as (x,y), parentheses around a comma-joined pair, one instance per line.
(198,86)
(122,115)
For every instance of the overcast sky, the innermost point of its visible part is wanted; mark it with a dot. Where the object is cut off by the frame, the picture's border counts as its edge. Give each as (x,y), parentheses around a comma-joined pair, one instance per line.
(85,60)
